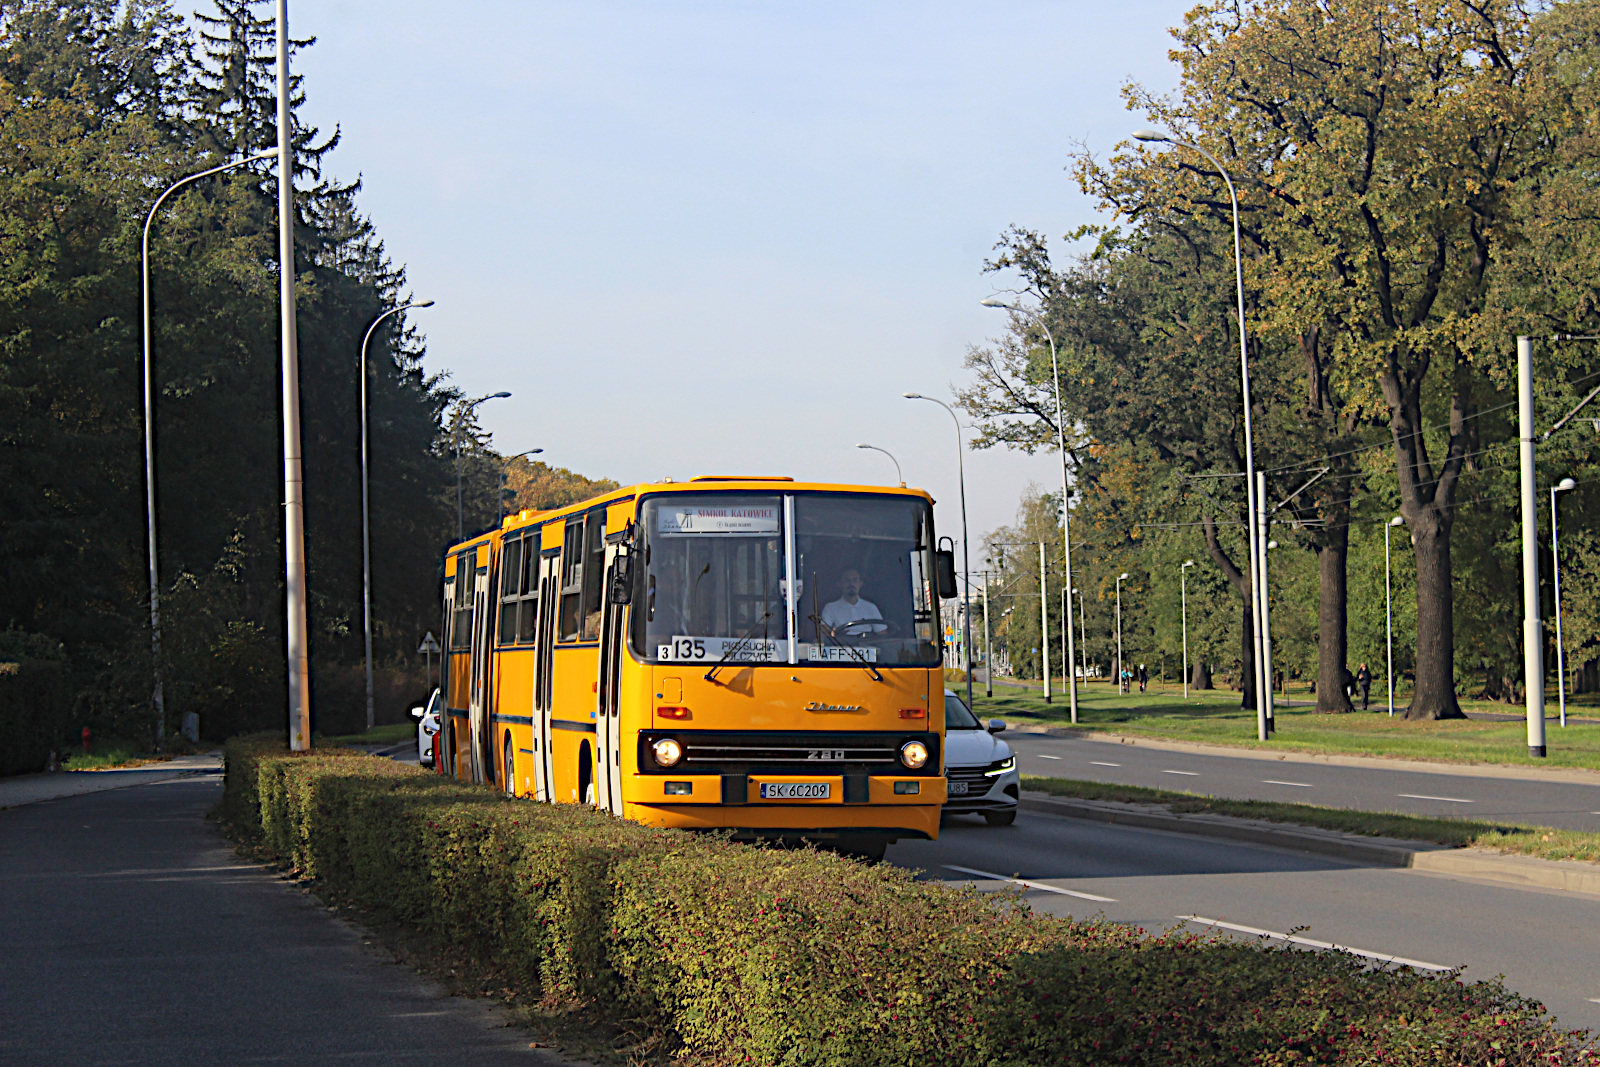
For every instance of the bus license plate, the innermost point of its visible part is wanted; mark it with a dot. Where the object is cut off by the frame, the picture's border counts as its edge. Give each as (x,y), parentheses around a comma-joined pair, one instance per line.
(958,789)
(796,790)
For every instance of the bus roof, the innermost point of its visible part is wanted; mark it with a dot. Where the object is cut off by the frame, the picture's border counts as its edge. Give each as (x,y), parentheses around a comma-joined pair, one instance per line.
(706,483)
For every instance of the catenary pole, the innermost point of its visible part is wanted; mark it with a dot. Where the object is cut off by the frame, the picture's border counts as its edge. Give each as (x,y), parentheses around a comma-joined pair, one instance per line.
(157,693)
(1388,608)
(1083,635)
(1183,588)
(988,652)
(1532,628)
(294,526)
(1262,527)
(1044,624)
(1120,579)
(366,510)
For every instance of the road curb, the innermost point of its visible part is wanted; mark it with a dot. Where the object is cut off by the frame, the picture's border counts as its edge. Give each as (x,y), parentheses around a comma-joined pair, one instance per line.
(1523,871)
(1570,775)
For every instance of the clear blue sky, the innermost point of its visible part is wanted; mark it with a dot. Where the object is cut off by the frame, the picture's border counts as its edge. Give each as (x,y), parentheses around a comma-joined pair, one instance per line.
(697,238)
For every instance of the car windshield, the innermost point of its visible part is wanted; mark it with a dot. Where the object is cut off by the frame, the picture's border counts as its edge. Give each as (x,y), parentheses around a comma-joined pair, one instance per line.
(714,585)
(956,715)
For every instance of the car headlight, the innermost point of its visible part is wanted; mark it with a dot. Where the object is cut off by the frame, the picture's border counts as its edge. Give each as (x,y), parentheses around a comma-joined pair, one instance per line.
(914,754)
(667,752)
(1007,764)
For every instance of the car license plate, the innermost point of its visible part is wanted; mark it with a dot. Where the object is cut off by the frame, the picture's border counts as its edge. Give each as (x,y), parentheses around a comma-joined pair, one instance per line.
(796,790)
(958,789)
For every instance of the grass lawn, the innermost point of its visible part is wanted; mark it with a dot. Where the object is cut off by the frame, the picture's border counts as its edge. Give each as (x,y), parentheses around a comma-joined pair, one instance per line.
(1545,842)
(1215,718)
(392,734)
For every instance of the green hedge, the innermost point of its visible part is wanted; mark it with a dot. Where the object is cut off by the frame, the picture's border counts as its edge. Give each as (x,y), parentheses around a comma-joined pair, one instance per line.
(736,954)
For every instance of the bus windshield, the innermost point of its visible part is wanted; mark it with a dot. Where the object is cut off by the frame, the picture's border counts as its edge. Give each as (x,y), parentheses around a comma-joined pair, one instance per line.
(716,580)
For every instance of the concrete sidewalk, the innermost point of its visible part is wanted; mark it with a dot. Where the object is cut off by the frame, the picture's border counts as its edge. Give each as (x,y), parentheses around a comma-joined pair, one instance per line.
(32,788)
(137,936)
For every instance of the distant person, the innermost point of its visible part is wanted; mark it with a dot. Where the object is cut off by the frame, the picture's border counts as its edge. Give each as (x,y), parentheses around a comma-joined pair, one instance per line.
(851,609)
(1364,683)
(1144,677)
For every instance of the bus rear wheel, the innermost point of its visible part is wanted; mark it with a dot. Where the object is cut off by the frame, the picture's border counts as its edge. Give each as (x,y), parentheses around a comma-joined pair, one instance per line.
(510,768)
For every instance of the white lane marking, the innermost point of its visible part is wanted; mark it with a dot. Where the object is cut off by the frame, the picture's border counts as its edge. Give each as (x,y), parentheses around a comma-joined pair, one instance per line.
(1030,885)
(1419,796)
(1098,763)
(1191,774)
(1273,781)
(1041,755)
(1306,941)
(1595,1000)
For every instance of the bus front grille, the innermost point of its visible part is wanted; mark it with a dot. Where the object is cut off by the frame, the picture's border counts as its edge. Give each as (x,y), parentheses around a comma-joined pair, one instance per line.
(825,752)
(811,757)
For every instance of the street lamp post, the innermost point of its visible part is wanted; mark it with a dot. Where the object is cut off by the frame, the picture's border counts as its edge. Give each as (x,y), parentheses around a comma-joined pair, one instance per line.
(966,548)
(1388,608)
(1249,437)
(1183,588)
(901,478)
(366,515)
(1563,486)
(505,464)
(461,417)
(1066,522)
(1120,579)
(157,695)
(988,652)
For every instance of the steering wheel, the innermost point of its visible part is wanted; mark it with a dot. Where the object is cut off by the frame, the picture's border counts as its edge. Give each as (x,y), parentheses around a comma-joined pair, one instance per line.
(862,627)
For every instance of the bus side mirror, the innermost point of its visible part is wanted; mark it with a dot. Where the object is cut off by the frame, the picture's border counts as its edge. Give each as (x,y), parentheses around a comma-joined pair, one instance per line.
(944,571)
(621,591)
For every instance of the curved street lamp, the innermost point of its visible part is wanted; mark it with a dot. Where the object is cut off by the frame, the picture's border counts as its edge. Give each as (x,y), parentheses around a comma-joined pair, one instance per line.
(966,551)
(505,464)
(1252,519)
(900,477)
(1066,521)
(366,521)
(157,696)
(462,410)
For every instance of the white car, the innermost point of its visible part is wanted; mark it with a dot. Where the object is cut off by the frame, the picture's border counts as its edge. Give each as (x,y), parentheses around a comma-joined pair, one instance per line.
(427,726)
(980,769)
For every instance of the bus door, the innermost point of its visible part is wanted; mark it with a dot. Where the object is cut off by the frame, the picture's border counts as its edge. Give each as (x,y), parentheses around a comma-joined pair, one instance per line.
(549,598)
(608,729)
(481,737)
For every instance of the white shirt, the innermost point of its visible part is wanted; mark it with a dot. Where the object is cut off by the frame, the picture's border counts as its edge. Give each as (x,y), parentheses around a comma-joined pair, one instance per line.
(842,613)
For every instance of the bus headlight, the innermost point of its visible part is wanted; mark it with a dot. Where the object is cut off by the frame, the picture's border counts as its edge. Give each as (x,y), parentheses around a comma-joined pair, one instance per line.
(667,752)
(914,754)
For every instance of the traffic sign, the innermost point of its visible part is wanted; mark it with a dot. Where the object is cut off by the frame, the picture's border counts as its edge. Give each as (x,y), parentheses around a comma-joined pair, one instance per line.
(429,644)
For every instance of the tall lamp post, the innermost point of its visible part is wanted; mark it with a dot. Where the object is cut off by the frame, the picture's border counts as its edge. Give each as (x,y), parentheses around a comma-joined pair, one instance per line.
(966,550)
(988,652)
(1044,624)
(1249,437)
(1388,609)
(462,411)
(1083,634)
(157,696)
(1066,521)
(366,514)
(1563,486)
(901,478)
(1120,579)
(505,465)
(1183,588)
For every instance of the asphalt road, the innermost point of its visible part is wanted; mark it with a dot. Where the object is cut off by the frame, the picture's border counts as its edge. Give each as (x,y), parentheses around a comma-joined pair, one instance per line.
(135,936)
(1546,943)
(1570,805)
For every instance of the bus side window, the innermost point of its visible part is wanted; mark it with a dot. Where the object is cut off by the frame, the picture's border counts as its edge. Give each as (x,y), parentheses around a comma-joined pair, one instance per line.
(461,624)
(594,565)
(528,586)
(510,572)
(570,622)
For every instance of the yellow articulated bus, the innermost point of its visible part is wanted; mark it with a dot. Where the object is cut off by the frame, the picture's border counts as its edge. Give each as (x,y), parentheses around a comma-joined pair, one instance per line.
(745,653)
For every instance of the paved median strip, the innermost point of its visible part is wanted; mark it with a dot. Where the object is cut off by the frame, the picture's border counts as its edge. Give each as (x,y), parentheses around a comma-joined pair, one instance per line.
(1031,885)
(1295,939)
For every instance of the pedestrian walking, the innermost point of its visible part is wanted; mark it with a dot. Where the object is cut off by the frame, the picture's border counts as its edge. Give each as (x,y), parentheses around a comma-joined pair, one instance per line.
(1364,683)
(1144,677)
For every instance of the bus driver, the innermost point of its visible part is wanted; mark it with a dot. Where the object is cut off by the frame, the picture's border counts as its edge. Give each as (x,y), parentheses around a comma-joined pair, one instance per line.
(850,614)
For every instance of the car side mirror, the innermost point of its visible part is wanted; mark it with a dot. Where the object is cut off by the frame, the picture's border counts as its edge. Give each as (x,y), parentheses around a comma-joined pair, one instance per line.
(416,713)
(621,591)
(944,571)
(997,726)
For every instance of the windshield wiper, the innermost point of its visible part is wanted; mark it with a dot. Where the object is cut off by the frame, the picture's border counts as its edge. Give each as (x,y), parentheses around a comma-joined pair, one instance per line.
(737,646)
